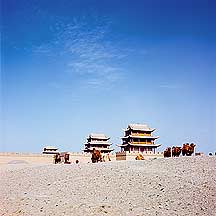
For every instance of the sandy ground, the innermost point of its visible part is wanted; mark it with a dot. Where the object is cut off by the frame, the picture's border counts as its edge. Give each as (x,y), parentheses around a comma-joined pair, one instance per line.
(168,186)
(24,158)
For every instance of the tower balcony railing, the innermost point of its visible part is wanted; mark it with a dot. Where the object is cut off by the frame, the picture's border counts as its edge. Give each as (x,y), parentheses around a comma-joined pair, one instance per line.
(148,143)
(140,134)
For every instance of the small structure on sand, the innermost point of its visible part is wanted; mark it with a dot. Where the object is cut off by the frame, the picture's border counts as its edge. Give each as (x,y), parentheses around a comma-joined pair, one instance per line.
(50,150)
(98,142)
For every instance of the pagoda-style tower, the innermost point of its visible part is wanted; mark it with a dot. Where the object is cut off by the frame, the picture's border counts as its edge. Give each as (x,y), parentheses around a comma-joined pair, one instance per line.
(99,142)
(139,138)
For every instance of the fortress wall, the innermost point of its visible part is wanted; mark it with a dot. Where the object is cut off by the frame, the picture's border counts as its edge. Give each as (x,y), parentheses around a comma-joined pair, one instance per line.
(86,157)
(132,155)
(39,158)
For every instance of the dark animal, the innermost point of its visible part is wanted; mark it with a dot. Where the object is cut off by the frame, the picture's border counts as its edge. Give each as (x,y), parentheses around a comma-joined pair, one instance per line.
(57,158)
(96,156)
(77,161)
(66,159)
(176,151)
(188,149)
(167,152)
(185,149)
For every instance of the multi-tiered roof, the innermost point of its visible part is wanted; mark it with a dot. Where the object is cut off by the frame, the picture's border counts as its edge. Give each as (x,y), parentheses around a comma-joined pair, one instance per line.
(139,138)
(99,142)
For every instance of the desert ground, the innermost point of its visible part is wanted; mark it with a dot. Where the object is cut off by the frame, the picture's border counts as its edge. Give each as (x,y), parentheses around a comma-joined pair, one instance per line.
(165,186)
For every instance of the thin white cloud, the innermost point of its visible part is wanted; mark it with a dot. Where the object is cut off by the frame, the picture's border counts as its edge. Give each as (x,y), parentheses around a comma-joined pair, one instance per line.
(42,49)
(89,52)
(170,86)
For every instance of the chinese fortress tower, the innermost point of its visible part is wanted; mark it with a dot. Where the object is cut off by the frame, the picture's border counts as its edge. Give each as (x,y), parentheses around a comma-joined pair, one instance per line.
(99,142)
(139,138)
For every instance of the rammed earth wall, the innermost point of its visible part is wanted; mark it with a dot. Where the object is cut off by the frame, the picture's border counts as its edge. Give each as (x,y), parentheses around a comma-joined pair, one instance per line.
(132,156)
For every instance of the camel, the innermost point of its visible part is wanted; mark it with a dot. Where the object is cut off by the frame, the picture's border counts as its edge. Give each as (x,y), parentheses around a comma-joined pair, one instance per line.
(139,157)
(185,148)
(167,152)
(96,156)
(188,149)
(176,151)
(57,158)
(105,157)
(66,159)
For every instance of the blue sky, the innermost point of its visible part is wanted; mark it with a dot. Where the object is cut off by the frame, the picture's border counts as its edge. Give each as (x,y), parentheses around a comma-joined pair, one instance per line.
(69,68)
